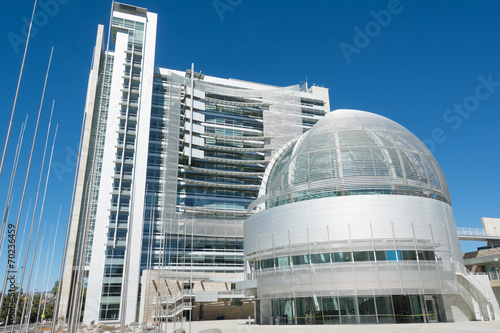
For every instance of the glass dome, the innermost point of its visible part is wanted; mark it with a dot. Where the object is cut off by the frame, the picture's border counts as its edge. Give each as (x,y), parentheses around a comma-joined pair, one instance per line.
(352,152)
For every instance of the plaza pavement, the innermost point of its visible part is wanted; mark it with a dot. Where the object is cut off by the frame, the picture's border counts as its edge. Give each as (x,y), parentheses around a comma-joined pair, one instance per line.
(239,326)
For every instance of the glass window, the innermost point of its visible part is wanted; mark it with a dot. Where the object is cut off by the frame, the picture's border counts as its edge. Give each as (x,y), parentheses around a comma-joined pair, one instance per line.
(324,258)
(109,311)
(416,308)
(384,309)
(363,256)
(409,255)
(113,270)
(305,310)
(286,313)
(342,257)
(426,255)
(111,289)
(330,310)
(283,262)
(380,255)
(116,253)
(314,258)
(392,255)
(347,310)
(366,305)
(366,308)
(300,260)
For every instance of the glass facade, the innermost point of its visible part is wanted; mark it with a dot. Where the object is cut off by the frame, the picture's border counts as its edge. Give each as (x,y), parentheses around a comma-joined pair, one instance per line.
(355,309)
(208,150)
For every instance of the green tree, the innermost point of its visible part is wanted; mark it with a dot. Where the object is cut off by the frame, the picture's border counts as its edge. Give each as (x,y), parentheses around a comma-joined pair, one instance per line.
(9,303)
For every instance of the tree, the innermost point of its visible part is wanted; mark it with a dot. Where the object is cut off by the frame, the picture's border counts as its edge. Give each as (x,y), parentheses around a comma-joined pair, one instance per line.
(9,304)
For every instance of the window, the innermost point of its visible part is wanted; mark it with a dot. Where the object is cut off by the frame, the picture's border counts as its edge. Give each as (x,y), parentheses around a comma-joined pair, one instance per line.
(408,255)
(363,256)
(387,255)
(342,257)
(283,262)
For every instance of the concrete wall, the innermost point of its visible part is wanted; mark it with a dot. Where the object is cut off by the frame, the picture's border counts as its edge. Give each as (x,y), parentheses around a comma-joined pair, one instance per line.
(491,226)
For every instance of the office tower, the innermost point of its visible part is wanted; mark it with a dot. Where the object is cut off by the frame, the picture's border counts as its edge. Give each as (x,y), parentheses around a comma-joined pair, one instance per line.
(170,162)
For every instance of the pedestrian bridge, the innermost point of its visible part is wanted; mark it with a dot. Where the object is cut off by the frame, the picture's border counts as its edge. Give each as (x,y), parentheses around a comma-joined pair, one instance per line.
(475,234)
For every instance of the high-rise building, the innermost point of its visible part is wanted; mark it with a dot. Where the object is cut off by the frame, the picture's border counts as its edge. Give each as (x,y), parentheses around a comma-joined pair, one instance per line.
(170,161)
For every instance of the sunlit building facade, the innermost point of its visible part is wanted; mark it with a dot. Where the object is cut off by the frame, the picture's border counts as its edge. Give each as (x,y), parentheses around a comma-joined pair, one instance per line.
(354,224)
(170,162)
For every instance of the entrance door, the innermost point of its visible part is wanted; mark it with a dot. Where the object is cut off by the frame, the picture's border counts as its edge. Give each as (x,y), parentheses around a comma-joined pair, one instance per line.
(430,308)
(401,309)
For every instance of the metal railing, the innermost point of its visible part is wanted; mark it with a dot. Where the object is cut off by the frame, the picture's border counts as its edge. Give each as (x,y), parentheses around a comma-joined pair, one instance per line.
(471,231)
(191,293)
(495,275)
(175,297)
(230,292)
(471,280)
(175,311)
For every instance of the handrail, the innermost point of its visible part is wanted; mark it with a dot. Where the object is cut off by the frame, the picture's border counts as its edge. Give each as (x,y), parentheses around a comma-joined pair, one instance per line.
(471,278)
(175,311)
(471,231)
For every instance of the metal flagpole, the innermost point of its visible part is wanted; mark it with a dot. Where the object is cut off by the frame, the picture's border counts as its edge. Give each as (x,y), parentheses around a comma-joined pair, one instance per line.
(50,267)
(28,303)
(44,194)
(8,271)
(24,233)
(17,92)
(8,201)
(43,281)
(20,255)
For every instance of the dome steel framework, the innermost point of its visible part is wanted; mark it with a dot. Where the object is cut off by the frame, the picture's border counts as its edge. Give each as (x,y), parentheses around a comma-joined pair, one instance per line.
(352,152)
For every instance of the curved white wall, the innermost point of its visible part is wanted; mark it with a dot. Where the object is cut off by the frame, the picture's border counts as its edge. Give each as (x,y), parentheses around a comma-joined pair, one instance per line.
(355,223)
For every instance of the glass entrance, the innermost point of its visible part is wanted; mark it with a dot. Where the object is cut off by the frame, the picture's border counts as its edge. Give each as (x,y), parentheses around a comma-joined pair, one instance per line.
(430,308)
(408,309)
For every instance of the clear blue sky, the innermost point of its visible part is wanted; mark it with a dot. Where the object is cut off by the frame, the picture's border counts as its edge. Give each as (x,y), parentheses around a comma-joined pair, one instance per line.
(414,62)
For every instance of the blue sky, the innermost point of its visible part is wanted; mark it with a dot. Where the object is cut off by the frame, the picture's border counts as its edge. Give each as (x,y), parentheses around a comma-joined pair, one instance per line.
(430,66)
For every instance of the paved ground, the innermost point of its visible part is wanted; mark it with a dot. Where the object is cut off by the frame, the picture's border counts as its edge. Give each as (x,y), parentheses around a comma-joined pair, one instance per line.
(238,326)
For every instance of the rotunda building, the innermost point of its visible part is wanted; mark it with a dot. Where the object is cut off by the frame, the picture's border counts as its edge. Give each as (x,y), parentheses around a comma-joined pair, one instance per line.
(354,224)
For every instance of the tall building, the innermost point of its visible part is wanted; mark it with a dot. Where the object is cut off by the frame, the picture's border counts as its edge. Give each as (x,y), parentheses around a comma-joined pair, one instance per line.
(170,162)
